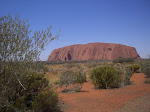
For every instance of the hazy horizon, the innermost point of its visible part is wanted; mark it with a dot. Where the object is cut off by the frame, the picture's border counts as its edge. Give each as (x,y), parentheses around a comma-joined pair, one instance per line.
(124,22)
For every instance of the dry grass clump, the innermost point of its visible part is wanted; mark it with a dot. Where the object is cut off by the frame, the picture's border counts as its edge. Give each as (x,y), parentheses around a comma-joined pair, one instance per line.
(53,77)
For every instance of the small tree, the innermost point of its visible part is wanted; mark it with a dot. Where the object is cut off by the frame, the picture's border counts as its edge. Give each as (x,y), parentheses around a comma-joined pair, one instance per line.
(19,56)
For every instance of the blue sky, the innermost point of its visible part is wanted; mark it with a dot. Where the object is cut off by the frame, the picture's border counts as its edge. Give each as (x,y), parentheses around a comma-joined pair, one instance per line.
(85,21)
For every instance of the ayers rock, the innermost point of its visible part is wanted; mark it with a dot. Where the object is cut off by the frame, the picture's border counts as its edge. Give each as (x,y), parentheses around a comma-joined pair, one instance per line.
(93,51)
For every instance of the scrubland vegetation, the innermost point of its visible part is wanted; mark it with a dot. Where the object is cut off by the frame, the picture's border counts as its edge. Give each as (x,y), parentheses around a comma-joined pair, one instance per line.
(26,84)
(103,74)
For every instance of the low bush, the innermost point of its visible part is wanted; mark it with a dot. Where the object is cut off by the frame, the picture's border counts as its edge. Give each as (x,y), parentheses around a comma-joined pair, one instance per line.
(105,77)
(121,60)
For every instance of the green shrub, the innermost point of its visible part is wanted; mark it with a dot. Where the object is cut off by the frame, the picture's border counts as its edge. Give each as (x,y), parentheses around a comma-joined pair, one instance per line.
(147,81)
(105,77)
(146,67)
(135,67)
(46,101)
(121,60)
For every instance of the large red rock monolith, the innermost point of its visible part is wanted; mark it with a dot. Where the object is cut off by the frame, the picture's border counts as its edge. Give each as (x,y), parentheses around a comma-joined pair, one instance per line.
(93,51)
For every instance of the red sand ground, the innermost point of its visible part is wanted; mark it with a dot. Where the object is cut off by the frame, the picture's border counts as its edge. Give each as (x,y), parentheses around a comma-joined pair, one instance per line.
(105,100)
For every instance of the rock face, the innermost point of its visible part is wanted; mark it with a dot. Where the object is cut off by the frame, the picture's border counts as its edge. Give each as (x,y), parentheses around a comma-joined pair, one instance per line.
(93,51)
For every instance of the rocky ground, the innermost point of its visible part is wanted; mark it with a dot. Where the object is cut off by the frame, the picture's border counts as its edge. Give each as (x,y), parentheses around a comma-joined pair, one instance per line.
(133,98)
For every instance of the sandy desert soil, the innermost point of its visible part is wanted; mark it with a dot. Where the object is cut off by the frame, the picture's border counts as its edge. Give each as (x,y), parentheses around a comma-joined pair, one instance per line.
(110,100)
(141,104)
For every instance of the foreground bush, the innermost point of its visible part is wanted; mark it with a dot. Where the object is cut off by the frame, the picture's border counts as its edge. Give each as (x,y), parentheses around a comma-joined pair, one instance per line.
(46,101)
(121,60)
(105,77)
(18,98)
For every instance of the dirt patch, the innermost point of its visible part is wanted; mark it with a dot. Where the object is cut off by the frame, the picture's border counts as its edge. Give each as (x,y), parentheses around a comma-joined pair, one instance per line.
(105,100)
